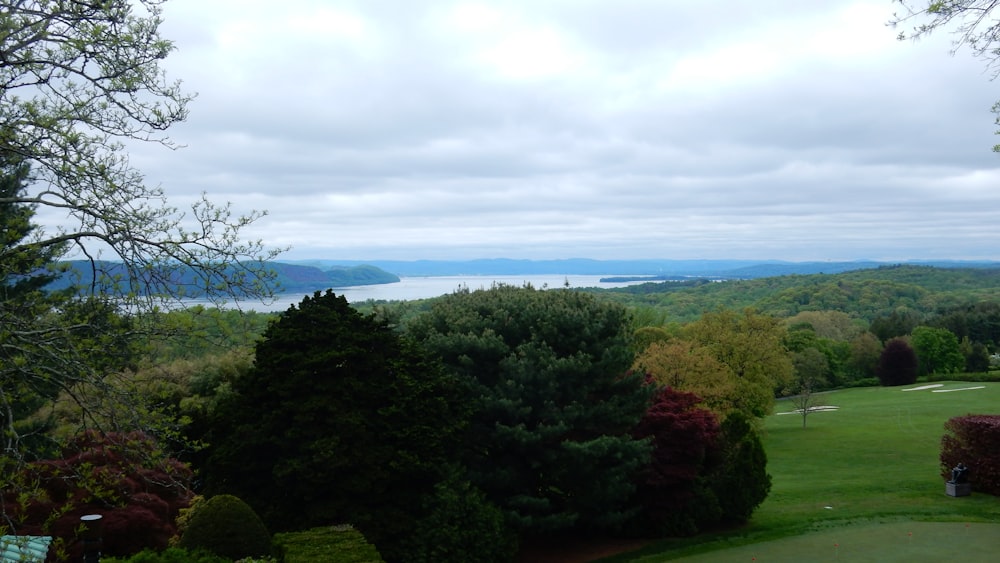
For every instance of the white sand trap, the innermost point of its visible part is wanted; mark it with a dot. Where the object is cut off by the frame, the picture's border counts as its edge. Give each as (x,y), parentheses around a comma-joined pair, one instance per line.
(923,387)
(959,389)
(821,408)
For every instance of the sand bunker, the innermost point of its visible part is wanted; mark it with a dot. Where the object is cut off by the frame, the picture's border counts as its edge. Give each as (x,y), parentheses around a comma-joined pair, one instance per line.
(959,389)
(923,387)
(820,408)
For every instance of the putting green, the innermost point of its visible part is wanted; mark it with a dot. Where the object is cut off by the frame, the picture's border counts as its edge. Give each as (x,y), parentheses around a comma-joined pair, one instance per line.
(889,542)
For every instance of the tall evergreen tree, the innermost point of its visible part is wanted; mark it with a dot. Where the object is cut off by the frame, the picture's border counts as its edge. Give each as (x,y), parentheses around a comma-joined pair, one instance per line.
(27,378)
(555,406)
(340,420)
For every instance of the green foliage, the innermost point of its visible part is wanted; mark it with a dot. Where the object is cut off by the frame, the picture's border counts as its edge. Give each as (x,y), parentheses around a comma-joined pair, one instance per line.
(898,323)
(863,295)
(979,322)
(170,555)
(553,406)
(196,332)
(865,350)
(460,525)
(340,420)
(937,350)
(977,356)
(741,482)
(751,346)
(228,527)
(336,544)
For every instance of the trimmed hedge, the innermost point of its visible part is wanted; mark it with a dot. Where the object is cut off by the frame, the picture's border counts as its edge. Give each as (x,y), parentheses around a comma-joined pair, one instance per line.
(226,526)
(328,544)
(974,440)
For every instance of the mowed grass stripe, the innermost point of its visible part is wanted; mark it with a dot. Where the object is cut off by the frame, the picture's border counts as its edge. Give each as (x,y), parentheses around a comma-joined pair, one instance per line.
(872,461)
(902,542)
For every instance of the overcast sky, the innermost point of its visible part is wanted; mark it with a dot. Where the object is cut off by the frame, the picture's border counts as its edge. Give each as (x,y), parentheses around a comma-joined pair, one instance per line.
(407,129)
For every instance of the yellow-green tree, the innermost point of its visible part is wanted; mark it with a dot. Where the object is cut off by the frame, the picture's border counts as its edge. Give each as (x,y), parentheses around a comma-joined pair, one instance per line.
(684,366)
(751,346)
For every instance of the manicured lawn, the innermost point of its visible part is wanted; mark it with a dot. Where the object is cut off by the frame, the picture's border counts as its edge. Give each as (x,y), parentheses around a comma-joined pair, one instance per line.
(902,542)
(871,463)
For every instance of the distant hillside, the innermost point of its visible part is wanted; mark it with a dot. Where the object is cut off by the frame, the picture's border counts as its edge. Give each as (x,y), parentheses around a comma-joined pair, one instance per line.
(290,278)
(297,278)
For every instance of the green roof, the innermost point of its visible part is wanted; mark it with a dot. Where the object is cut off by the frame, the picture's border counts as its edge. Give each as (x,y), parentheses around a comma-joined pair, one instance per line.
(24,549)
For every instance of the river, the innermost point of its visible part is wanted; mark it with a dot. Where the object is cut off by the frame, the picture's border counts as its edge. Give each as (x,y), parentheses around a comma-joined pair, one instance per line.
(425,287)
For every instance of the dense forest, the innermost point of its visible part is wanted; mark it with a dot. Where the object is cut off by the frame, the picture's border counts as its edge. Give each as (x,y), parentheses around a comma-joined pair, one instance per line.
(866,295)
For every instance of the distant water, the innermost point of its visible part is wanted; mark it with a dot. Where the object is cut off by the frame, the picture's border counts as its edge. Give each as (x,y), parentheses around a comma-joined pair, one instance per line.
(425,287)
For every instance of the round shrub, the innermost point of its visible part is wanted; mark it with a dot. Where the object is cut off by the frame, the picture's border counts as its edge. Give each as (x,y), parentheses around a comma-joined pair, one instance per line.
(458,525)
(226,526)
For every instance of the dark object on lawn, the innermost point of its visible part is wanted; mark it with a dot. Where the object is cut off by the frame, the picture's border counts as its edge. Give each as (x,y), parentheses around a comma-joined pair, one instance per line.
(958,485)
(959,474)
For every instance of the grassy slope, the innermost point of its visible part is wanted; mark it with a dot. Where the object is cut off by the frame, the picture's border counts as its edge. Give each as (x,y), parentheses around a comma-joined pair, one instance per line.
(874,460)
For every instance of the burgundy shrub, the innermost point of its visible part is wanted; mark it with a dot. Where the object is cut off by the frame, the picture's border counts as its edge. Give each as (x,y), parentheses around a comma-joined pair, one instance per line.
(123,477)
(974,440)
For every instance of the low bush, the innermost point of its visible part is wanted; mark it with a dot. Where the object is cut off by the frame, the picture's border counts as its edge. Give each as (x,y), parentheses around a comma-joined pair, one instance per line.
(328,544)
(459,524)
(978,377)
(226,526)
(975,441)
(169,555)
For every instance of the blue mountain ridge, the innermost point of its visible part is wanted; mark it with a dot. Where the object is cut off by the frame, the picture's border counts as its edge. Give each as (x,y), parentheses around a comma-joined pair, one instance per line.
(631,269)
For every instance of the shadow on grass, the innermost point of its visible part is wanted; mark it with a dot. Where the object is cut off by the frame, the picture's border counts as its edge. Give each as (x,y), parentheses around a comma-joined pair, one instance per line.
(857,542)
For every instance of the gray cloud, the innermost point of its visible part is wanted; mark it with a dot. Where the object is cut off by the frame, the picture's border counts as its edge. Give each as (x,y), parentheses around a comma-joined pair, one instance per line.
(554,129)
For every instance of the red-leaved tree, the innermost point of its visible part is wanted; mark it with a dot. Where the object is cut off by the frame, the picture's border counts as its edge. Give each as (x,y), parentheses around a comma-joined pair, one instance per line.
(898,363)
(124,477)
(674,491)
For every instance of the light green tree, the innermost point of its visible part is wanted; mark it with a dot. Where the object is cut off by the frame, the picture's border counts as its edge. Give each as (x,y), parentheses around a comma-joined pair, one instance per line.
(938,350)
